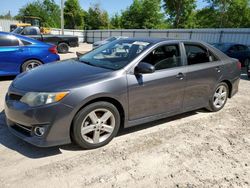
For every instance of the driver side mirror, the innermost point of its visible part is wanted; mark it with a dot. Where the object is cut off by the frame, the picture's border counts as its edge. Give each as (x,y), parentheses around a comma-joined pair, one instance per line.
(144,68)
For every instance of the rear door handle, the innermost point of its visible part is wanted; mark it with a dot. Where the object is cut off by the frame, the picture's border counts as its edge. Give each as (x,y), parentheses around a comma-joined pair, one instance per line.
(218,69)
(180,76)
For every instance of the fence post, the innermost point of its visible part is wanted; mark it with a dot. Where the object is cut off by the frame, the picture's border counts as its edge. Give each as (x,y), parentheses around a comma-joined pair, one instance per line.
(221,35)
(133,33)
(191,33)
(101,34)
(149,33)
(93,37)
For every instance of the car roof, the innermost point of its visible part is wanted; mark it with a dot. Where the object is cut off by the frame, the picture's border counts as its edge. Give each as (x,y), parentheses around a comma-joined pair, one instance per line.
(157,40)
(228,43)
(21,37)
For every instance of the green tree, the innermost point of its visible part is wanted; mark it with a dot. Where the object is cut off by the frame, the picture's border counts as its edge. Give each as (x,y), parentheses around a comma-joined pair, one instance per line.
(47,10)
(115,22)
(179,11)
(97,18)
(143,14)
(73,15)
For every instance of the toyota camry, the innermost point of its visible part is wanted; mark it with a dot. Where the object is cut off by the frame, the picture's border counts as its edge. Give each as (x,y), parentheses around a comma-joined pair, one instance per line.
(120,84)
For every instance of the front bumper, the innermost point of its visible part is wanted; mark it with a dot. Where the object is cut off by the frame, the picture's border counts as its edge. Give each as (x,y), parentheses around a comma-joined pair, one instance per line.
(22,120)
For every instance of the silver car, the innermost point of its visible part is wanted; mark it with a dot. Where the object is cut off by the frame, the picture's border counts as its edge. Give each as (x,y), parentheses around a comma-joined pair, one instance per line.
(121,84)
(105,41)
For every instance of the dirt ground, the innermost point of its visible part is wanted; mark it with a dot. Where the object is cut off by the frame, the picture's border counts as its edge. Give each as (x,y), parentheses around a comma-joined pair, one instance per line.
(196,149)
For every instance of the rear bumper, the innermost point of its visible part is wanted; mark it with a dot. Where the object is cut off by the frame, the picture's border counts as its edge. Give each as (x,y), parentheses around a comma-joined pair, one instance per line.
(235,87)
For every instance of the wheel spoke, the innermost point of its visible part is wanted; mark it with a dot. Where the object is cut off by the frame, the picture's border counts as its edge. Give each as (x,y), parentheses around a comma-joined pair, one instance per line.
(224,94)
(221,90)
(107,128)
(106,116)
(216,101)
(87,129)
(220,102)
(96,137)
(216,95)
(93,117)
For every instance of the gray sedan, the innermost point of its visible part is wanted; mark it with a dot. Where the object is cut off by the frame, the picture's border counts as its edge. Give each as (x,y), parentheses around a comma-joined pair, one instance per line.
(121,84)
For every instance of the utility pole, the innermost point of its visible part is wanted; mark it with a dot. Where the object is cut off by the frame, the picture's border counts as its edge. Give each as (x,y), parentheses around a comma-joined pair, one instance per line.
(62,16)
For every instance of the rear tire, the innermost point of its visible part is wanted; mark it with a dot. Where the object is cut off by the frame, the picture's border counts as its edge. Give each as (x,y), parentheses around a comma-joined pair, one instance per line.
(30,64)
(63,48)
(95,125)
(219,98)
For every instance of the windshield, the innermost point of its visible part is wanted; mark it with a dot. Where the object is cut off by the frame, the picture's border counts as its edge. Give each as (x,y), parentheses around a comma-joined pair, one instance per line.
(18,30)
(115,55)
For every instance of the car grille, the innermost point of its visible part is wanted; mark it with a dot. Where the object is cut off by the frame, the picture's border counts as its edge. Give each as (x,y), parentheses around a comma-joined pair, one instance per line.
(23,129)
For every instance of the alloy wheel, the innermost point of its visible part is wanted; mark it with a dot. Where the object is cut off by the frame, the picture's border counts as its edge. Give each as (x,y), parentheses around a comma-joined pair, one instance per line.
(98,126)
(31,65)
(220,96)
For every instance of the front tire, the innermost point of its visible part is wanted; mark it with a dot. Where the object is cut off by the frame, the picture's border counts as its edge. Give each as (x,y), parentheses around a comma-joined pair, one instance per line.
(96,125)
(30,64)
(63,48)
(219,98)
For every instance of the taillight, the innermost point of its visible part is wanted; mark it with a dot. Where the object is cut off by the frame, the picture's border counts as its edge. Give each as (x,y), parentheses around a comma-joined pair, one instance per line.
(53,50)
(239,65)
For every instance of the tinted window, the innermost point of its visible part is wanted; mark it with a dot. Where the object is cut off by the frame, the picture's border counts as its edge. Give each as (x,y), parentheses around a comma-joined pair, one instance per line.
(197,54)
(8,40)
(163,57)
(30,31)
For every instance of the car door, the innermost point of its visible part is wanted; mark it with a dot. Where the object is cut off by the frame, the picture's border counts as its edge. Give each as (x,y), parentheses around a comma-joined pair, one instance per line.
(204,70)
(160,92)
(11,55)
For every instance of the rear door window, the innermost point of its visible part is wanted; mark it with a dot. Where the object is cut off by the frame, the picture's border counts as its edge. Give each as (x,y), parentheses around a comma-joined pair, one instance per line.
(8,40)
(197,54)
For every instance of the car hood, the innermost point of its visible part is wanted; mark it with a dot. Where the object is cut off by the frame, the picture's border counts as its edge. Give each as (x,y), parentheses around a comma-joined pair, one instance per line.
(59,76)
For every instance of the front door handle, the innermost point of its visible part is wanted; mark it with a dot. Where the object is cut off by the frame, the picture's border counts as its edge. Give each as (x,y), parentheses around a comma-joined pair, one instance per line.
(180,76)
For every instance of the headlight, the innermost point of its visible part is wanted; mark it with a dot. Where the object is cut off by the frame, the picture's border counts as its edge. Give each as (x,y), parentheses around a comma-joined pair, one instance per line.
(38,99)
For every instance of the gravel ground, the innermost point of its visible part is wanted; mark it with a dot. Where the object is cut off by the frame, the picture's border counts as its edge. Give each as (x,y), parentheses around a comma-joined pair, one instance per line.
(196,149)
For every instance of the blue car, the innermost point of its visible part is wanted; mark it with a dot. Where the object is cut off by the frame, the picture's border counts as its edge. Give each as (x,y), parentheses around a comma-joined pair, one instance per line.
(19,54)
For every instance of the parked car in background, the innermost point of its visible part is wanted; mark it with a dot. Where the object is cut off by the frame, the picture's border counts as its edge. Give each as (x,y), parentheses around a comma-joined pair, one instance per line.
(238,51)
(63,42)
(110,39)
(248,70)
(19,53)
(124,83)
